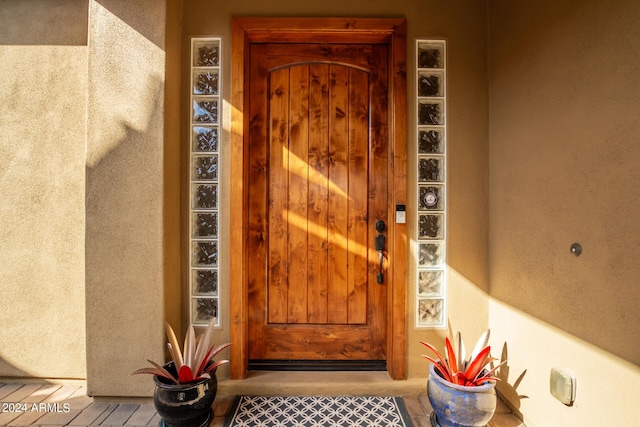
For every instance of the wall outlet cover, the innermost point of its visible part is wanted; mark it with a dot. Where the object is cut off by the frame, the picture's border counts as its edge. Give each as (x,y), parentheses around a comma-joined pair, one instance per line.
(562,384)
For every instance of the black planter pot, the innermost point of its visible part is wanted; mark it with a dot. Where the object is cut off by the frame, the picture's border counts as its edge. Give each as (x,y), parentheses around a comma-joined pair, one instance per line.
(184,405)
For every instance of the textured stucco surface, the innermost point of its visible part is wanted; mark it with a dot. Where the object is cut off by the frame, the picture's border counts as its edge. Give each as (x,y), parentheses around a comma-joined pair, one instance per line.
(43,22)
(124,281)
(85,158)
(565,157)
(42,181)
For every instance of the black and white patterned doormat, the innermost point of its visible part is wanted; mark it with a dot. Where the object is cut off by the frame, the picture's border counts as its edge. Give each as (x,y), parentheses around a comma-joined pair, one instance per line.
(318,411)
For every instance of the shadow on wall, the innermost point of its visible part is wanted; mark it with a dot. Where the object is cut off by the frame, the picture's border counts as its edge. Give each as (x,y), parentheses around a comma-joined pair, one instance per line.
(124,245)
(59,23)
(65,22)
(13,371)
(509,392)
(558,176)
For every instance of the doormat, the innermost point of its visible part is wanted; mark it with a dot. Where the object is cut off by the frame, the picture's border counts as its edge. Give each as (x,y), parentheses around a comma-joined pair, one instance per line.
(318,411)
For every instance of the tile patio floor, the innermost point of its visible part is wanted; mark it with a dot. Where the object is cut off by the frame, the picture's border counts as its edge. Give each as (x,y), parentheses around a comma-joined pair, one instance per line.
(68,405)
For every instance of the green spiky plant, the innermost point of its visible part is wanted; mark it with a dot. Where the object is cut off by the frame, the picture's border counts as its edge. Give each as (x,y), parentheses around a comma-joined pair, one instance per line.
(459,369)
(195,363)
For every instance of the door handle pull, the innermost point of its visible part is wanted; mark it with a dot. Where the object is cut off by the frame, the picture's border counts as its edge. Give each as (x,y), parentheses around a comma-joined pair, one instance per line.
(380,241)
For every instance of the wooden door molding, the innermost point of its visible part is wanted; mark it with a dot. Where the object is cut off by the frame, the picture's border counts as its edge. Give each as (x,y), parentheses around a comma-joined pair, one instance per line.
(391,32)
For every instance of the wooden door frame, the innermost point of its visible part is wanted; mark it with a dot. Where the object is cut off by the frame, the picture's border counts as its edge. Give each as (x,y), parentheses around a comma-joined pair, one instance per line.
(390,31)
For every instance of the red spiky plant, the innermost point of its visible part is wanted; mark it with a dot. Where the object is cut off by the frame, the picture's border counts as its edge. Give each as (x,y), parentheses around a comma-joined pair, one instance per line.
(459,369)
(195,363)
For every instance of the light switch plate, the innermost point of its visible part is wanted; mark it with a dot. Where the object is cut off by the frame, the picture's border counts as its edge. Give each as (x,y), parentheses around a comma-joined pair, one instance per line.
(562,384)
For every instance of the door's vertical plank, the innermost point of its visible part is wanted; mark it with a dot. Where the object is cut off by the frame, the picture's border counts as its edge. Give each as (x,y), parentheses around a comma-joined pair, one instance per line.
(397,299)
(358,195)
(318,279)
(239,324)
(298,192)
(257,199)
(378,208)
(338,193)
(278,194)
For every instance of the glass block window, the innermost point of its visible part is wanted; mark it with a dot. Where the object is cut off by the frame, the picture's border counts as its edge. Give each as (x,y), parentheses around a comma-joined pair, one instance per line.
(431,279)
(204,175)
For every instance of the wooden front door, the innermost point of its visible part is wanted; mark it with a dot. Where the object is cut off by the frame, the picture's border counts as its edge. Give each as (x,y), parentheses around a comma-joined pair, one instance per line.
(252,236)
(317,185)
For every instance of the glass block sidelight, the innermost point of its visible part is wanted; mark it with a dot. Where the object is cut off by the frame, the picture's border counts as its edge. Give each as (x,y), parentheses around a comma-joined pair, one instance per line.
(431,54)
(431,83)
(205,82)
(205,168)
(205,253)
(431,112)
(430,283)
(431,117)
(431,226)
(204,225)
(430,140)
(205,196)
(203,310)
(431,312)
(205,99)
(205,52)
(204,282)
(204,139)
(431,255)
(205,110)
(431,169)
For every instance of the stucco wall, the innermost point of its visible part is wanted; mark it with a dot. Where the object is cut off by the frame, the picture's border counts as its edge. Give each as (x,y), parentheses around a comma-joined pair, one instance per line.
(124,196)
(85,158)
(463,24)
(565,157)
(43,82)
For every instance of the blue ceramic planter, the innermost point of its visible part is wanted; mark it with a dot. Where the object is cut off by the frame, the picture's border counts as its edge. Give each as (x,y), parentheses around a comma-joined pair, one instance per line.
(460,406)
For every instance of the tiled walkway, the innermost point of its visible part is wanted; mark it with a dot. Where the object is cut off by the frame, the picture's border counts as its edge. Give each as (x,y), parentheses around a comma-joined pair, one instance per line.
(44,405)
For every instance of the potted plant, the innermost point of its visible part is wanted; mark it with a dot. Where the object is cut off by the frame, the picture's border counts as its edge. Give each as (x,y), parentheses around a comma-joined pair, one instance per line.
(186,386)
(460,388)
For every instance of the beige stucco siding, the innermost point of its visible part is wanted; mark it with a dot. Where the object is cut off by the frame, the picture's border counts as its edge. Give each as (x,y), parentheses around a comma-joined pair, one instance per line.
(124,256)
(43,84)
(565,168)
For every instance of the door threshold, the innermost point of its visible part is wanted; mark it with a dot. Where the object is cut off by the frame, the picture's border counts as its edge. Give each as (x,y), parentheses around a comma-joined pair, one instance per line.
(315,383)
(317,365)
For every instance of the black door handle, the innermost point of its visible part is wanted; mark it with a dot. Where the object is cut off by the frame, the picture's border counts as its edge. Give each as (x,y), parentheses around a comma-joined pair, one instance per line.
(379,243)
(380,239)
